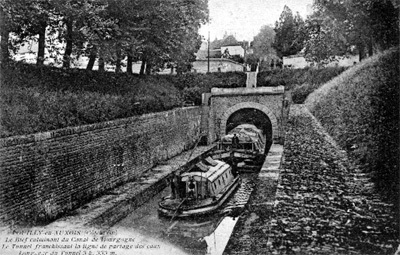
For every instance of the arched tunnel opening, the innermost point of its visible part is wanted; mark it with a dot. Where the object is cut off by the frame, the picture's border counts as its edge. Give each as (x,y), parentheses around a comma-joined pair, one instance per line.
(254,117)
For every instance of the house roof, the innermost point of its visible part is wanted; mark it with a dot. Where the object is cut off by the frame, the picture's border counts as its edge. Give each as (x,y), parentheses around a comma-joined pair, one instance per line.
(300,55)
(232,45)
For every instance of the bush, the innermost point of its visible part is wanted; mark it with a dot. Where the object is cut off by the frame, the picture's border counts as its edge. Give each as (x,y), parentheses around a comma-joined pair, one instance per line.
(310,78)
(208,81)
(300,93)
(193,94)
(291,77)
(360,109)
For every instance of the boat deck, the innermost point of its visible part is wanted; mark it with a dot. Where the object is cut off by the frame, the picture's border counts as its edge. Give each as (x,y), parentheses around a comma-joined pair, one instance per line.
(174,203)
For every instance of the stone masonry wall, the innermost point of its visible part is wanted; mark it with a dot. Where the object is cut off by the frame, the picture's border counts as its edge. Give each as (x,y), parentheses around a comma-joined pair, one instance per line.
(220,106)
(44,175)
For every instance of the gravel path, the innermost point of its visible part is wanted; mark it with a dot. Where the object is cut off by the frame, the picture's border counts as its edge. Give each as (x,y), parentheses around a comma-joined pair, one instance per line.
(324,204)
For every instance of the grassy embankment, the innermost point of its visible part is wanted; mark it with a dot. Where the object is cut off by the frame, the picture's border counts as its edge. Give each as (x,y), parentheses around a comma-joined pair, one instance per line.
(34,99)
(300,81)
(360,109)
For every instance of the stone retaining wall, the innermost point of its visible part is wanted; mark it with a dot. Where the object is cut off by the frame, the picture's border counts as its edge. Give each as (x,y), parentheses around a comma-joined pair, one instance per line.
(47,174)
(250,233)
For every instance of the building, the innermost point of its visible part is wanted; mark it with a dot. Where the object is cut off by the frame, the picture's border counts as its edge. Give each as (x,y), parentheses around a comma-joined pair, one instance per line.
(217,65)
(295,61)
(299,61)
(233,50)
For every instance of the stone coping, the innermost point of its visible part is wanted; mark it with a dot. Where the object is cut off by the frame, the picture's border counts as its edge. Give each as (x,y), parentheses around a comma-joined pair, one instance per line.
(116,204)
(247,91)
(272,164)
(78,130)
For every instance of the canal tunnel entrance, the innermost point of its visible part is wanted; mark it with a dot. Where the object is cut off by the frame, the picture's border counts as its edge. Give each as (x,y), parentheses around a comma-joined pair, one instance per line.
(251,116)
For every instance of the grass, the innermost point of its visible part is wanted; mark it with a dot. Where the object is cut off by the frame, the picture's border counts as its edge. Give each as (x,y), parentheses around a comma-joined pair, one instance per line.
(360,109)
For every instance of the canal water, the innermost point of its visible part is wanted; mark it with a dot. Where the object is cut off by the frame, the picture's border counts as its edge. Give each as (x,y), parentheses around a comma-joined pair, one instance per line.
(202,235)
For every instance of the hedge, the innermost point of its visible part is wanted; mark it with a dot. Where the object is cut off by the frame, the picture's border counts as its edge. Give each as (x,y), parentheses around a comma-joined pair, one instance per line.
(36,99)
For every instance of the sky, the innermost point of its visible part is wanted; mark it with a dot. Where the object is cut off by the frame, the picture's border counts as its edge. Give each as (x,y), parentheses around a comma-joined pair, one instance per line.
(244,18)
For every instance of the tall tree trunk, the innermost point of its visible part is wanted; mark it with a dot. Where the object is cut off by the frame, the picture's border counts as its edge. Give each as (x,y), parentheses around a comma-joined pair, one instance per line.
(142,67)
(148,67)
(41,44)
(361,52)
(370,48)
(92,58)
(118,63)
(5,33)
(68,48)
(129,64)
(101,63)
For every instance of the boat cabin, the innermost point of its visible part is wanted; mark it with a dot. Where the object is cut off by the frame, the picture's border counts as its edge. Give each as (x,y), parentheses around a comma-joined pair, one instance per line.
(207,179)
(201,190)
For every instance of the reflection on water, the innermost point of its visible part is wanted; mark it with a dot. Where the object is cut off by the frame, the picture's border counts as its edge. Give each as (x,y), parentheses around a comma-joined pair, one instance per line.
(217,241)
(201,235)
(204,236)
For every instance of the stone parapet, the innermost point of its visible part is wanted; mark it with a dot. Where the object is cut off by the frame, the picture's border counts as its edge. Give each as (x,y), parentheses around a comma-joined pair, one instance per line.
(248,91)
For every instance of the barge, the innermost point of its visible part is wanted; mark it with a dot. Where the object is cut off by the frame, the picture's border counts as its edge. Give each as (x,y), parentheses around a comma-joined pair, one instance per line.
(243,147)
(201,190)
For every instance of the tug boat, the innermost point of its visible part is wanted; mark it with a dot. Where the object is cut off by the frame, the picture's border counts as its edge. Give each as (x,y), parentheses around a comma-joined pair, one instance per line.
(244,147)
(201,190)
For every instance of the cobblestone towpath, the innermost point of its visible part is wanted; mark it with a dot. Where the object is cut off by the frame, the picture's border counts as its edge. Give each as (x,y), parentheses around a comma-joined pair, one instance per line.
(323,203)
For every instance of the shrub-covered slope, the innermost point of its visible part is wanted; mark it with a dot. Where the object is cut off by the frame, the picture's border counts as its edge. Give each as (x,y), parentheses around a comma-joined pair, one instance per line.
(360,109)
(35,99)
(291,77)
(301,81)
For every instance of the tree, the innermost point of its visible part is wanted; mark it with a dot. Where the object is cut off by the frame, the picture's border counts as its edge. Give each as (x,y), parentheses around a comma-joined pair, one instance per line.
(5,27)
(74,17)
(300,32)
(368,25)
(173,34)
(107,30)
(262,45)
(384,17)
(27,19)
(154,31)
(263,41)
(323,44)
(289,36)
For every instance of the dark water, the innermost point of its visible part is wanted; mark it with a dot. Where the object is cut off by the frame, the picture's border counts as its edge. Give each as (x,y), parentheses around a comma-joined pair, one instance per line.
(202,235)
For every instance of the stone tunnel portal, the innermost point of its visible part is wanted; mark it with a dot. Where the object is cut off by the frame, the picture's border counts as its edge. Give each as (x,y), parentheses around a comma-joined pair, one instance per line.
(254,117)
(229,107)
